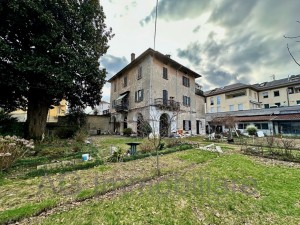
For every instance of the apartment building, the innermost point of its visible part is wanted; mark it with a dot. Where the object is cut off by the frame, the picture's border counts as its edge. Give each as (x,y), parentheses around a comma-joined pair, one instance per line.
(155,88)
(236,97)
(273,107)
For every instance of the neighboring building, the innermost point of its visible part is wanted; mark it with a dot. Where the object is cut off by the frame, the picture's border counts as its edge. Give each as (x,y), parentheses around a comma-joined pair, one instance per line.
(273,107)
(236,97)
(153,87)
(52,113)
(101,109)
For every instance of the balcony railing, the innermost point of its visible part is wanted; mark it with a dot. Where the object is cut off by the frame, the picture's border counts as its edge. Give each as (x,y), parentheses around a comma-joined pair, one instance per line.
(167,104)
(121,107)
(199,92)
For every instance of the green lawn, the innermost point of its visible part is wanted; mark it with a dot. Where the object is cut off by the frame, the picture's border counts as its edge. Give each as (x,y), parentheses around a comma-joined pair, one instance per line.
(231,189)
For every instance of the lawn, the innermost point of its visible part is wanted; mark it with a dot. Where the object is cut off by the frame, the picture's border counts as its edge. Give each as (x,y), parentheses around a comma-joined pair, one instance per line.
(196,187)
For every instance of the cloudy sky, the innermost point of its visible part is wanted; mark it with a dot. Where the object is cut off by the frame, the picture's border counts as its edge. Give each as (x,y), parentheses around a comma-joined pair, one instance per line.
(226,41)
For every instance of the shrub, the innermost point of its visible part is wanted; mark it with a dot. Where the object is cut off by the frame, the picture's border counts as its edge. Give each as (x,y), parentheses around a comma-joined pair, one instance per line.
(146,146)
(251,130)
(12,148)
(127,131)
(54,152)
(145,128)
(80,135)
(66,132)
(10,125)
(173,143)
(117,155)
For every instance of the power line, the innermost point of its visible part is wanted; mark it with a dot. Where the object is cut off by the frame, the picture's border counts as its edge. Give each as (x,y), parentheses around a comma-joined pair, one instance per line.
(155,22)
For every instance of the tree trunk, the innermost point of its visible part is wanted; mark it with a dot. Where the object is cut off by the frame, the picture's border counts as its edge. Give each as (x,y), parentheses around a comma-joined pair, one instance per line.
(36,114)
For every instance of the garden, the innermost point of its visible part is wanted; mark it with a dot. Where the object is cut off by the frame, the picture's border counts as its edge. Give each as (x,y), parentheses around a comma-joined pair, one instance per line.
(48,182)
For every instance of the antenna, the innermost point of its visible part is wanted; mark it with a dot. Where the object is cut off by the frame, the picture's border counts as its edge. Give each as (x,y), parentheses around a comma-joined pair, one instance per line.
(273,76)
(155,22)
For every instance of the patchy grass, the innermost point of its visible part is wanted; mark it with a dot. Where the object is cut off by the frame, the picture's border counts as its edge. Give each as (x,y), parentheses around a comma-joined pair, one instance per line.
(27,210)
(232,189)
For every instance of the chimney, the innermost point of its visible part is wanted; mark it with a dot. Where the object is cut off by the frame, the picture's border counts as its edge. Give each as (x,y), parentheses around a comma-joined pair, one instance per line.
(168,55)
(132,57)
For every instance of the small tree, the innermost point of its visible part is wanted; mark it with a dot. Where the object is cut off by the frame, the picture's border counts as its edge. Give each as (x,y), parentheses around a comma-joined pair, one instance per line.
(251,130)
(228,121)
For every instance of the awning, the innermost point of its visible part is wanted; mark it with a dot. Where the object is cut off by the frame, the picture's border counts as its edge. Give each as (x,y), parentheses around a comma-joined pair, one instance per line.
(121,97)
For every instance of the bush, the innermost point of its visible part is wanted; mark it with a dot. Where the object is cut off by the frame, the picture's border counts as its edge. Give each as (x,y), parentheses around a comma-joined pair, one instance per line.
(11,149)
(10,125)
(117,155)
(66,132)
(251,130)
(54,152)
(127,131)
(173,143)
(80,136)
(146,147)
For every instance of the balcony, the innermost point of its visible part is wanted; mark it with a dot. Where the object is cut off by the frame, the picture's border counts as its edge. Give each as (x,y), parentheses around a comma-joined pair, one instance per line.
(199,92)
(123,107)
(165,104)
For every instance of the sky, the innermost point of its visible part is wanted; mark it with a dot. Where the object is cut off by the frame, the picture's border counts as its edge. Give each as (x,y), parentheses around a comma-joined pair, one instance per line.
(226,41)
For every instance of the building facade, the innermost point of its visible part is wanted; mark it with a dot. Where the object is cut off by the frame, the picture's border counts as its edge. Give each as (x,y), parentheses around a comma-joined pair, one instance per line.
(159,90)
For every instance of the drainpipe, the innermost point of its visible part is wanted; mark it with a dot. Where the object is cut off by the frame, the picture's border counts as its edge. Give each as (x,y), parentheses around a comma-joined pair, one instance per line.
(177,95)
(287,96)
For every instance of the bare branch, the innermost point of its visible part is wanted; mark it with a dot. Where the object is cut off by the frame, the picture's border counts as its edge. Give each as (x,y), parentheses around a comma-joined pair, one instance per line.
(287,45)
(291,37)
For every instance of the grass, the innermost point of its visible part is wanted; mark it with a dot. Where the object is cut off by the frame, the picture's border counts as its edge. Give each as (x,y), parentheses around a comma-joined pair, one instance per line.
(197,187)
(253,194)
(27,210)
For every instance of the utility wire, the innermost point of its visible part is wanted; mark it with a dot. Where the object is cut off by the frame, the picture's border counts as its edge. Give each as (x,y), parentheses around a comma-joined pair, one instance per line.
(155,22)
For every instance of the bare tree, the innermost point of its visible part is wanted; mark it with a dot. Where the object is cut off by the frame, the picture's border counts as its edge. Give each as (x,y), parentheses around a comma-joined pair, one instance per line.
(162,123)
(228,121)
(297,38)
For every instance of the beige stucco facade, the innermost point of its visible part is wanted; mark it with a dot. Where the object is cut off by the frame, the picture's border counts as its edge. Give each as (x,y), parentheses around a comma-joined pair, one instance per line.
(157,88)
(52,116)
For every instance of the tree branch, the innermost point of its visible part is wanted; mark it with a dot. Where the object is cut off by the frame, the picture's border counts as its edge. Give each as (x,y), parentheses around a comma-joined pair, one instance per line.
(287,45)
(291,37)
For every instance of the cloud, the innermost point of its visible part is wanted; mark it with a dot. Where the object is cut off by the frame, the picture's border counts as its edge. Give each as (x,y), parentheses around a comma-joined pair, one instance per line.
(177,10)
(113,64)
(196,29)
(192,53)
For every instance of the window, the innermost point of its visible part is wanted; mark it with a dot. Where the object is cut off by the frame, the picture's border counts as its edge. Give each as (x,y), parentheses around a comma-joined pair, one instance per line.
(186,101)
(266,106)
(185,81)
(240,106)
(265,94)
(243,126)
(278,104)
(125,81)
(139,95)
(140,70)
(187,125)
(113,103)
(276,93)
(218,100)
(298,102)
(231,107)
(165,97)
(219,109)
(165,73)
(212,110)
(255,95)
(211,100)
(290,90)
(262,126)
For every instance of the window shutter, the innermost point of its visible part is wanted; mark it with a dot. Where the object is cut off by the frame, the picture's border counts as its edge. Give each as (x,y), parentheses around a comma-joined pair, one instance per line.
(190,125)
(142,95)
(135,96)
(188,82)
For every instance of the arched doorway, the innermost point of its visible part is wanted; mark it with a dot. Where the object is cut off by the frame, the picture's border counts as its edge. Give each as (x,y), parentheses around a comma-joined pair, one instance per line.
(125,122)
(164,125)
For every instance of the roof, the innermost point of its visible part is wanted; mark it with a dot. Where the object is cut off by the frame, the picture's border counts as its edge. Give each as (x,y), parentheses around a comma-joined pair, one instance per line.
(163,58)
(285,82)
(255,118)
(228,88)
